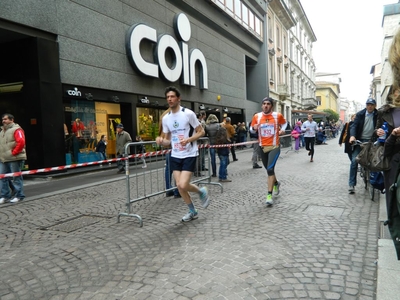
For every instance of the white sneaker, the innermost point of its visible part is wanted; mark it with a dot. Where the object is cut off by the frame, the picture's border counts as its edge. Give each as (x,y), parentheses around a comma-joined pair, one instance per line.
(2,200)
(144,167)
(15,200)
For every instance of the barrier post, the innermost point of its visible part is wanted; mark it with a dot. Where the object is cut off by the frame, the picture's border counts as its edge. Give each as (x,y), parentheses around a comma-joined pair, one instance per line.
(151,182)
(128,188)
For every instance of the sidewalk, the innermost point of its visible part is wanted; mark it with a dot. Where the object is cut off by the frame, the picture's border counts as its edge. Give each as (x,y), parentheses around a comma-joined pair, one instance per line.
(388,266)
(316,242)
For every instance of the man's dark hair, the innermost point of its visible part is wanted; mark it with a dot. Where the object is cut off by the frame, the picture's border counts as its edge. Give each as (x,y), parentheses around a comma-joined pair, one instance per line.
(172,89)
(9,116)
(269,99)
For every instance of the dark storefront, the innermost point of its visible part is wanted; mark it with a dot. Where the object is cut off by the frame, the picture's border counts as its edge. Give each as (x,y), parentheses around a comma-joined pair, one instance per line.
(51,78)
(30,90)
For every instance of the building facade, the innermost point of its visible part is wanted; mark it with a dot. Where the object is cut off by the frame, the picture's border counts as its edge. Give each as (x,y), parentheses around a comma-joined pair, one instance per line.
(328,91)
(291,64)
(75,69)
(390,25)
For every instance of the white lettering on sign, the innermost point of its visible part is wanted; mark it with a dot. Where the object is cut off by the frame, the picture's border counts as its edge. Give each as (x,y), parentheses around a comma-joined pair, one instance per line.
(76,109)
(75,92)
(145,100)
(184,62)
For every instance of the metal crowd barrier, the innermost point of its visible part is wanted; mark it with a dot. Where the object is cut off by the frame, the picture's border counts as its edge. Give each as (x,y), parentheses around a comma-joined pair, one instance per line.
(152,181)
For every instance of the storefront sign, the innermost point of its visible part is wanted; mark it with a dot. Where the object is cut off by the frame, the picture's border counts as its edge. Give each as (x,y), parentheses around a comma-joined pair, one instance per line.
(145,100)
(184,62)
(75,93)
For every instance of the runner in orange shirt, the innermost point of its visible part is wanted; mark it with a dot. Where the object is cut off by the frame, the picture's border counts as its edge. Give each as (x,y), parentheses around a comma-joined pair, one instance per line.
(269,125)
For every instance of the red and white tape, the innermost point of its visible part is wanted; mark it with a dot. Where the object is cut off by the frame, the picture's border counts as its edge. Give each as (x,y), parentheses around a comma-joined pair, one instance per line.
(147,154)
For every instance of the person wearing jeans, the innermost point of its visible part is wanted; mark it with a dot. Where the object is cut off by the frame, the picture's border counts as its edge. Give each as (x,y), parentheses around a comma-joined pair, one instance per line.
(362,129)
(223,164)
(12,153)
(212,126)
(168,178)
(221,138)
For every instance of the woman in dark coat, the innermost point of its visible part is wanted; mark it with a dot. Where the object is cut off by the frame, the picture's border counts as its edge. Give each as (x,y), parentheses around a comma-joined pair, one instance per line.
(345,136)
(390,113)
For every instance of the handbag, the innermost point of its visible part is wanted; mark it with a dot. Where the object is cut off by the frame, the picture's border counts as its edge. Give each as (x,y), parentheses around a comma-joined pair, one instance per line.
(295,134)
(371,157)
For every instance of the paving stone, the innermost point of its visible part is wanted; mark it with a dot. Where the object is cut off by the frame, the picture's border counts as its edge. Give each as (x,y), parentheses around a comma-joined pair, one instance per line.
(236,249)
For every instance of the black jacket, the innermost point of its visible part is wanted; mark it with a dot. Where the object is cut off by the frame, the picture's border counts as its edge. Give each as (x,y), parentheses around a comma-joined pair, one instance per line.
(345,137)
(101,147)
(357,127)
(392,150)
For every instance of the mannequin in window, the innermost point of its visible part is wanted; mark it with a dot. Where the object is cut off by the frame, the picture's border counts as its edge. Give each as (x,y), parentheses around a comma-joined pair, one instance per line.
(65,130)
(92,127)
(77,127)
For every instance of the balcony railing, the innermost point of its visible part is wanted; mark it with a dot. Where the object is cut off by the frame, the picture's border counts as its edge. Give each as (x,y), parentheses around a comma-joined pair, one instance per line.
(310,103)
(283,90)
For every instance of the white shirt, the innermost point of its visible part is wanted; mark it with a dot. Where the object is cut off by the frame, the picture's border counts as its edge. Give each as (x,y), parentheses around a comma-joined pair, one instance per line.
(313,128)
(178,124)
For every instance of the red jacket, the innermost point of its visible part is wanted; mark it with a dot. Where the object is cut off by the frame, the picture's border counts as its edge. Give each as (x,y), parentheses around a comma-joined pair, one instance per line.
(19,137)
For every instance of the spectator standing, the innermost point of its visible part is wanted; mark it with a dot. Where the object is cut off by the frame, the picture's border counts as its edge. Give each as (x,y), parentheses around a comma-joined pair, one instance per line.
(362,129)
(123,138)
(231,135)
(309,128)
(269,125)
(176,127)
(242,134)
(345,137)
(297,128)
(302,140)
(202,151)
(221,138)
(212,125)
(101,147)
(12,156)
(256,148)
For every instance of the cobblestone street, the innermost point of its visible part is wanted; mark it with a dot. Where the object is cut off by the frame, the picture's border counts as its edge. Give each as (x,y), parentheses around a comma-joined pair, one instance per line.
(315,242)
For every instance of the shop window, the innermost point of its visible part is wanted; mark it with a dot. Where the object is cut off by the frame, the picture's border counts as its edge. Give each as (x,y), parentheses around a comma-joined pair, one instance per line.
(85,122)
(148,120)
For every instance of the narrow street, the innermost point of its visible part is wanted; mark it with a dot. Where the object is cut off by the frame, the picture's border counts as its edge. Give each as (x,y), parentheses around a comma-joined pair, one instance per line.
(316,242)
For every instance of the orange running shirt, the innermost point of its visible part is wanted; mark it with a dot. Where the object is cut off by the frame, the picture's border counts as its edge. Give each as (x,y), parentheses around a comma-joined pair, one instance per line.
(268,127)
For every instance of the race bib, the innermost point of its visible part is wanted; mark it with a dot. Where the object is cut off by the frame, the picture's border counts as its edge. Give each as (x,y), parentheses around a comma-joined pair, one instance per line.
(176,142)
(267,130)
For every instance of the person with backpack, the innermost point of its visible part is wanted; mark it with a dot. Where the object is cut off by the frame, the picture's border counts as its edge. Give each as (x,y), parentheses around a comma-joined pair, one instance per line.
(176,130)
(221,138)
(296,134)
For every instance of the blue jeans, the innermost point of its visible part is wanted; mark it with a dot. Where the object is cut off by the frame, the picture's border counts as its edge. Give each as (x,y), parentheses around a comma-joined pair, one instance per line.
(354,166)
(213,161)
(223,165)
(303,143)
(17,181)
(168,174)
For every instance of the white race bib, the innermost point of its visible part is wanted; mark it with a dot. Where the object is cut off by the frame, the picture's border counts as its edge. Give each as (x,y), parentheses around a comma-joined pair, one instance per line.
(267,130)
(176,142)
